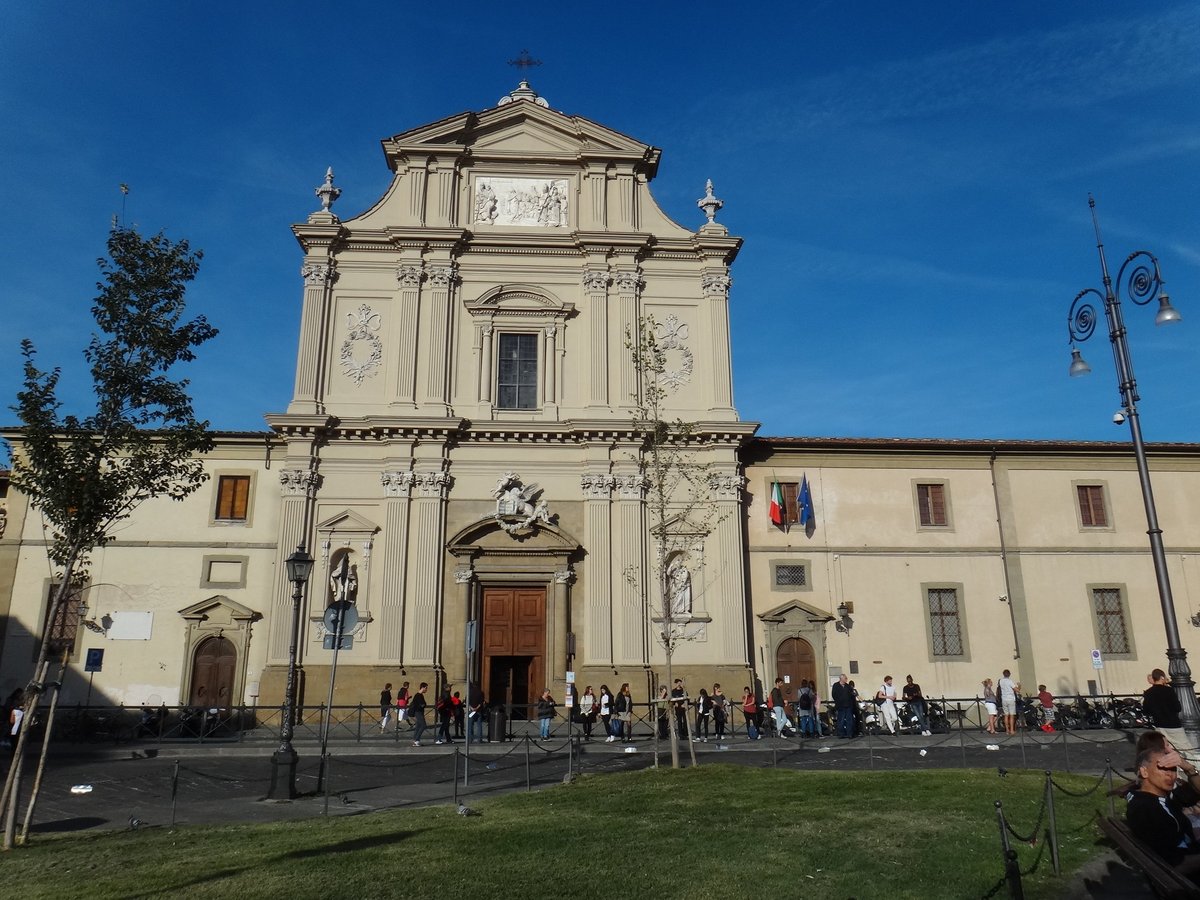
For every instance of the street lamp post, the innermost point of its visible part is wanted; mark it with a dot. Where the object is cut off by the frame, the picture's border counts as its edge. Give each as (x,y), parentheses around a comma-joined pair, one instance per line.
(283,760)
(1143,284)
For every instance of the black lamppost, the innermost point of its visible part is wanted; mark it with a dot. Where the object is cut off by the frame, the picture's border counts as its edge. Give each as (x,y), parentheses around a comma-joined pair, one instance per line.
(1143,284)
(283,760)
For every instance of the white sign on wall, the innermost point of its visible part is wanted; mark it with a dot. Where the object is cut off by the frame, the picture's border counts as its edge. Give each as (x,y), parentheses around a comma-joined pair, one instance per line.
(130,626)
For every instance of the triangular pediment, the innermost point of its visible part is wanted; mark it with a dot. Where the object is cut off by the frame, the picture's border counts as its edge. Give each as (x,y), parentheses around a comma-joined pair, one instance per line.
(232,609)
(792,611)
(521,127)
(347,522)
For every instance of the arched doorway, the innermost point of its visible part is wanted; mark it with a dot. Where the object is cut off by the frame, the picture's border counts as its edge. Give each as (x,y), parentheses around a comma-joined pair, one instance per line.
(795,661)
(214,668)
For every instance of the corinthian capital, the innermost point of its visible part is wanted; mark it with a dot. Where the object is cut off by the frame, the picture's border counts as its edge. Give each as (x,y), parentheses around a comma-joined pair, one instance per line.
(317,273)
(432,484)
(299,482)
(596,279)
(596,485)
(628,280)
(409,276)
(715,283)
(727,486)
(443,276)
(396,483)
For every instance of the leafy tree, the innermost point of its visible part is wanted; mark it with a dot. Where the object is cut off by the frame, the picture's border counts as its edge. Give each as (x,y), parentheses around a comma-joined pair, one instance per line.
(84,475)
(679,493)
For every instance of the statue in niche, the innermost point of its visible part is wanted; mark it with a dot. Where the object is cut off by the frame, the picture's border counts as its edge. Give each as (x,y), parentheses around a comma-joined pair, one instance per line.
(679,584)
(343,581)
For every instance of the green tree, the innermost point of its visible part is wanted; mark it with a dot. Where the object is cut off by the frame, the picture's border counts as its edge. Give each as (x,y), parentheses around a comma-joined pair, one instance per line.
(143,440)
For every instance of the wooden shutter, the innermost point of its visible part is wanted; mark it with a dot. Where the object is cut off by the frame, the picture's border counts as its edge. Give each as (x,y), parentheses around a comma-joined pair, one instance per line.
(1091,506)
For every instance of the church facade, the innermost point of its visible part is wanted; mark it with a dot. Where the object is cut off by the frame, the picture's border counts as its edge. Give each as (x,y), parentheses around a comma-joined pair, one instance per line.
(464,455)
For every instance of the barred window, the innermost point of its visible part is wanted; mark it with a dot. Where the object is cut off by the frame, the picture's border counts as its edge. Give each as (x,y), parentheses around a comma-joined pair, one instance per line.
(1110,620)
(1092,513)
(931,504)
(61,633)
(945,626)
(791,576)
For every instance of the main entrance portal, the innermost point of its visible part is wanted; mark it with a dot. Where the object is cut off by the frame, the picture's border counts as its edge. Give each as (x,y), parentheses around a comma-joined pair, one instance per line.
(795,661)
(513,667)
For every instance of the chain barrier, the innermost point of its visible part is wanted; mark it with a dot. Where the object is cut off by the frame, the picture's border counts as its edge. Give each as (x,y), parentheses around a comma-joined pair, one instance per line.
(1095,787)
(1032,836)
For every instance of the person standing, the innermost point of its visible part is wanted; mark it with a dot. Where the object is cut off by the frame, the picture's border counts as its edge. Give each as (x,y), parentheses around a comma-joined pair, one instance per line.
(1046,699)
(606,709)
(474,712)
(679,706)
(545,713)
(587,711)
(989,704)
(456,706)
(385,707)
(445,714)
(402,706)
(720,711)
(916,703)
(624,713)
(1007,690)
(416,713)
(704,708)
(779,708)
(1161,703)
(806,710)
(662,713)
(843,707)
(750,712)
(886,698)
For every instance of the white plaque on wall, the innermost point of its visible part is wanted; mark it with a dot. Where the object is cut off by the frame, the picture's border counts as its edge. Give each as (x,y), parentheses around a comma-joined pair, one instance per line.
(131,626)
(530,202)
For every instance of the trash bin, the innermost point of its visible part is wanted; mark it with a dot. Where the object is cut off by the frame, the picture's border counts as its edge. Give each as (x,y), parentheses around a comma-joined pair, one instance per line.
(497,724)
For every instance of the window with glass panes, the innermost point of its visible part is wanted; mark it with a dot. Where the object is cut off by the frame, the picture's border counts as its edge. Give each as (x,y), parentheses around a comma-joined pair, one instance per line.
(1110,620)
(944,624)
(931,504)
(517,372)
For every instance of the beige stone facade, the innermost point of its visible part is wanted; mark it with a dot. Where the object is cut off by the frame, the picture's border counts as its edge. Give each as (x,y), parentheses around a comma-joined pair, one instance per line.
(459,448)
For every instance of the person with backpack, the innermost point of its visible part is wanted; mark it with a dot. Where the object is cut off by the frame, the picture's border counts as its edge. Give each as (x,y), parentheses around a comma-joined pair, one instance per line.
(416,713)
(402,706)
(806,711)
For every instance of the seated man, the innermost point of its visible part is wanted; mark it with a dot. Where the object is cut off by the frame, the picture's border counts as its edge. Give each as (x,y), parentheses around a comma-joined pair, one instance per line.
(1155,811)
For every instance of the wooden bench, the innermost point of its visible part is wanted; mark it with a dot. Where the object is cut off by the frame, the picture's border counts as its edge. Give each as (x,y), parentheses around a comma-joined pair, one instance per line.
(1164,879)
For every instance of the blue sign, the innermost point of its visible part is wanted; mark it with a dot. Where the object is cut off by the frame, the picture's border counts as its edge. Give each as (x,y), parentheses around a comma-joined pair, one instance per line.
(95,660)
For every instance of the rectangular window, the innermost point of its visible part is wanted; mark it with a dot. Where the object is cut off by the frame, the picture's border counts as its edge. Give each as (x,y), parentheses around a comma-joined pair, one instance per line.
(61,633)
(1092,513)
(233,497)
(517,372)
(1110,620)
(791,502)
(944,623)
(931,504)
(791,576)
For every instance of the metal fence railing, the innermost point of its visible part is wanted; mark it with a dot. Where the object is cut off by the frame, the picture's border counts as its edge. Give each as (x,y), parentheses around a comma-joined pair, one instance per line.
(360,723)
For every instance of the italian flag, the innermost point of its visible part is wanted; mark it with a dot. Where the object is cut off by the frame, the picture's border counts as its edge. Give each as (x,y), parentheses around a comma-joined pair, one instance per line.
(776,510)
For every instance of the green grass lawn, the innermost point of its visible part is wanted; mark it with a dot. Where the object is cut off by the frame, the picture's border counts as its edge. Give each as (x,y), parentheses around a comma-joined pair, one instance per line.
(715,831)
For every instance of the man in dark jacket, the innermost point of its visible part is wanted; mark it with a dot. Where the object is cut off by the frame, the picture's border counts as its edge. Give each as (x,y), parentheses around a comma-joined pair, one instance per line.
(843,706)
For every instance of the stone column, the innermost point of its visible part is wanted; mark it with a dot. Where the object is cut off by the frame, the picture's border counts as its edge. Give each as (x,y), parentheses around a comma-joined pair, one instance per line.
(550,379)
(595,284)
(435,341)
(486,376)
(424,619)
(464,577)
(727,605)
(299,490)
(716,290)
(408,304)
(597,489)
(629,286)
(630,556)
(397,485)
(318,276)
(558,620)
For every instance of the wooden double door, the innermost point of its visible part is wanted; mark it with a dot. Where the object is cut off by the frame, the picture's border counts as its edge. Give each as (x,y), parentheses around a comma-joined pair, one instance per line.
(794,662)
(513,646)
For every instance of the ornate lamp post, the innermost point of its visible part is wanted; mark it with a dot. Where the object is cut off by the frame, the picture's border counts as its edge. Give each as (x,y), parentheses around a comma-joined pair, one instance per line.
(283,760)
(1142,284)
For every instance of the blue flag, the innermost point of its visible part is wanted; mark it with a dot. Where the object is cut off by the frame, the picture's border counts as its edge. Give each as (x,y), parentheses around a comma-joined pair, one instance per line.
(805,502)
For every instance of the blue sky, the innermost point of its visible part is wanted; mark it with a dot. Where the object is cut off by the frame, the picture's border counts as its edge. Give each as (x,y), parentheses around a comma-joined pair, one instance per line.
(911,181)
